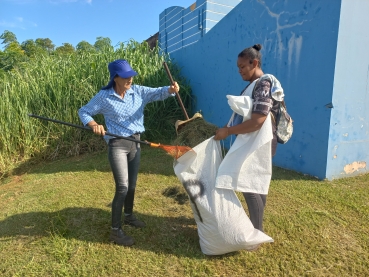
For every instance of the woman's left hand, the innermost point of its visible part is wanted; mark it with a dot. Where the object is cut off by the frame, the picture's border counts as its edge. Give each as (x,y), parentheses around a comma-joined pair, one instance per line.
(221,133)
(174,88)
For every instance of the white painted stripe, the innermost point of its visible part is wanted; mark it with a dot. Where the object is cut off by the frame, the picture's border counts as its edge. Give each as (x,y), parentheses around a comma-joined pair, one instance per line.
(223,4)
(209,11)
(186,37)
(182,47)
(180,26)
(180,34)
(211,20)
(172,15)
(194,26)
(186,14)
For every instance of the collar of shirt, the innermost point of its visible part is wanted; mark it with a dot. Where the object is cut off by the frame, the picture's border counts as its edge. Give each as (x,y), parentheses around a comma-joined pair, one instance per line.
(113,92)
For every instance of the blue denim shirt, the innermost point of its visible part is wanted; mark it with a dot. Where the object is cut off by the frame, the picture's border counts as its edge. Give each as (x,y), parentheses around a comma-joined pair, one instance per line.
(123,116)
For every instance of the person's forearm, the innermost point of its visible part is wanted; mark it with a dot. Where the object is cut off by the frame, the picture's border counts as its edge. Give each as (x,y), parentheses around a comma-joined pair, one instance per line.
(248,126)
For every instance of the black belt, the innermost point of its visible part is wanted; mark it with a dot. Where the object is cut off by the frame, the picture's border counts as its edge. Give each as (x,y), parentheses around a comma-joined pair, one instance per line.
(135,135)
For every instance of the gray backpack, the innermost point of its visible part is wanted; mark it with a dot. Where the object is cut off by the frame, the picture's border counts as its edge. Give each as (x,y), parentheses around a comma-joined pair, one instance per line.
(283,123)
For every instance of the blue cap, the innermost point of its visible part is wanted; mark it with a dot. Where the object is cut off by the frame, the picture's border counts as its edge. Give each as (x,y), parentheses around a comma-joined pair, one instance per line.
(120,68)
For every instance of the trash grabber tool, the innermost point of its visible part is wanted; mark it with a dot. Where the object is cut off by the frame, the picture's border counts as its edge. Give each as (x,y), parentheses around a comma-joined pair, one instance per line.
(175,151)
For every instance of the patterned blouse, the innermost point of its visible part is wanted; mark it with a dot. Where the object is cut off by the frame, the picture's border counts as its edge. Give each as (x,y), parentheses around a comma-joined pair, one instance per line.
(263,104)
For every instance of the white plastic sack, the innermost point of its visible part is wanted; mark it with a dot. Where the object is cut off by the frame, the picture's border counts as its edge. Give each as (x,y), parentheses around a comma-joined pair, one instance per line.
(247,167)
(222,223)
(241,105)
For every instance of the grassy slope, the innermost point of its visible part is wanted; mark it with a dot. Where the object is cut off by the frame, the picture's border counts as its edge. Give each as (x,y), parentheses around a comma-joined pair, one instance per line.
(55,218)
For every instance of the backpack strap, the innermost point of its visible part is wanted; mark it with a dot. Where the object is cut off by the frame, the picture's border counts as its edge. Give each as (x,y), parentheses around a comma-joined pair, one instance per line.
(275,120)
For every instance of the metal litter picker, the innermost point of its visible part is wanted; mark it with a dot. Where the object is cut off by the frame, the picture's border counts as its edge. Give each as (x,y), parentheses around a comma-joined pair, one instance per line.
(175,151)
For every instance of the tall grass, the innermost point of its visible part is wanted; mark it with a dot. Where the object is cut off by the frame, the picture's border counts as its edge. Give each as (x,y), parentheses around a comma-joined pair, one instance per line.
(57,86)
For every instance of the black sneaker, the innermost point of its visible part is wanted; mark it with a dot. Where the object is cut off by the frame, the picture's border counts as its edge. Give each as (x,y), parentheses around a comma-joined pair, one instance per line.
(133,221)
(117,236)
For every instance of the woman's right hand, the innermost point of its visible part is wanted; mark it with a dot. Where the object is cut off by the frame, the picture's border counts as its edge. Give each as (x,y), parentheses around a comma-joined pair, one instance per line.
(96,128)
(174,88)
(221,133)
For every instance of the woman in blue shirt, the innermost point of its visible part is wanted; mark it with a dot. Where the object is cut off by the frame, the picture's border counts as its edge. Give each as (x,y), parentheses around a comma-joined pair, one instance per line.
(122,105)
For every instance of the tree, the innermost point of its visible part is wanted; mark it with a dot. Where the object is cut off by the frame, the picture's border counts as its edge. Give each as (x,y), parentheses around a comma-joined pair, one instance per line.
(45,43)
(67,48)
(102,44)
(12,56)
(85,46)
(8,38)
(31,49)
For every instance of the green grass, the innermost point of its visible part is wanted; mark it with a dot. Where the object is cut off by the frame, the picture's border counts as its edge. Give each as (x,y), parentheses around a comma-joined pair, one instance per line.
(55,221)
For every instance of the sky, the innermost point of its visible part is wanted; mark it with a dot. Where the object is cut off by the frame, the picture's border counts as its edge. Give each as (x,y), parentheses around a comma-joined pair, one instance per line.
(72,21)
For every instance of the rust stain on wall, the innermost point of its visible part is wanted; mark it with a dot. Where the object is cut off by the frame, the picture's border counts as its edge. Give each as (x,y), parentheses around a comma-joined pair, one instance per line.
(355,166)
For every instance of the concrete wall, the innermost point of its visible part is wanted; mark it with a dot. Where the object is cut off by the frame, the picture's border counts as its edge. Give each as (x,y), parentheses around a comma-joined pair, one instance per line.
(180,27)
(303,46)
(348,147)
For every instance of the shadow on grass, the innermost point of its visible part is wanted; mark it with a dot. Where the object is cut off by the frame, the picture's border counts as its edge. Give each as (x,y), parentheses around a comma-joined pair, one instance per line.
(279,173)
(171,235)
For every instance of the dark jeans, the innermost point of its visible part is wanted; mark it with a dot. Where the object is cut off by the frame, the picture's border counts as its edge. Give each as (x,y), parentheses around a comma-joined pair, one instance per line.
(256,204)
(124,158)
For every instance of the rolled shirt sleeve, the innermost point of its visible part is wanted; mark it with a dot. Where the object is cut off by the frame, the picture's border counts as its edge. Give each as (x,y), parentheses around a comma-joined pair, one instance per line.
(263,101)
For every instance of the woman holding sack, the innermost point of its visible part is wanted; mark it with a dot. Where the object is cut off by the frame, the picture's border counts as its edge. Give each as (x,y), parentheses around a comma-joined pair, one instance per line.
(122,105)
(255,166)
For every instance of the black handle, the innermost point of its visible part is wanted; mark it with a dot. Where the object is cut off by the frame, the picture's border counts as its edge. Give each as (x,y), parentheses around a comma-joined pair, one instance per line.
(86,128)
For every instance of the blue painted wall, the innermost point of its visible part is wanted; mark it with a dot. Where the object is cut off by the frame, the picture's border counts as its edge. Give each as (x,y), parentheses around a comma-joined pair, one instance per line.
(348,148)
(304,46)
(180,27)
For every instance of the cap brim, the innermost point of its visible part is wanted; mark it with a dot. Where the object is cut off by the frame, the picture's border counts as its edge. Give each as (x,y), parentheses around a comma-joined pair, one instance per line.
(127,74)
